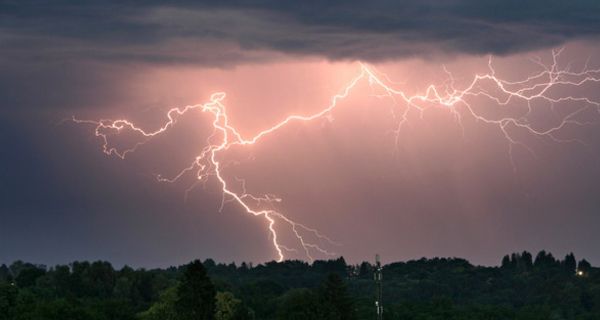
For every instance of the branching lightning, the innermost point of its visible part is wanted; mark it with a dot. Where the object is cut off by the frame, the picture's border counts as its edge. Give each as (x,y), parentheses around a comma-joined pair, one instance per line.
(209,162)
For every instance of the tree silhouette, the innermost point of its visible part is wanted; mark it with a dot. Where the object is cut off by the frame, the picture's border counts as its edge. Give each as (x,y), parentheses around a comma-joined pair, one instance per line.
(28,276)
(506,262)
(584,266)
(300,304)
(544,260)
(527,260)
(5,273)
(438,288)
(195,294)
(365,269)
(337,303)
(570,264)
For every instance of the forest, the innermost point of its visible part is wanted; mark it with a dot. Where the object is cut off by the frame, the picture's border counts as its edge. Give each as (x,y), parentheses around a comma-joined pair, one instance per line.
(522,287)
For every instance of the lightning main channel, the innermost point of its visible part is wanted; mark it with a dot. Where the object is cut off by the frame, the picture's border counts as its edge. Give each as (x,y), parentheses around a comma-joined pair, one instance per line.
(209,162)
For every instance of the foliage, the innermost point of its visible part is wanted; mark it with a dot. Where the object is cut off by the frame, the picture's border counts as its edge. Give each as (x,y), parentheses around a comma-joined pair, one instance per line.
(195,294)
(335,300)
(522,288)
(228,307)
(164,309)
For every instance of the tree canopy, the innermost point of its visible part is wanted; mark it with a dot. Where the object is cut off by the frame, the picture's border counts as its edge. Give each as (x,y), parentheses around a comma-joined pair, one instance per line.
(521,288)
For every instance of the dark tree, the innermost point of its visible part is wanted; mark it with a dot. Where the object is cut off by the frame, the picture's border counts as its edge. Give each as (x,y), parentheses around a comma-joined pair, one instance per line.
(79,272)
(300,304)
(544,260)
(100,279)
(432,289)
(209,264)
(515,260)
(62,279)
(338,266)
(28,276)
(506,262)
(4,273)
(195,294)
(584,266)
(365,269)
(244,267)
(570,264)
(8,300)
(337,303)
(527,260)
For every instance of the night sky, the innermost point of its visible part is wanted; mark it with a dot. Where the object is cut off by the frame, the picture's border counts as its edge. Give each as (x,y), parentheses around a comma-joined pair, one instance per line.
(440,186)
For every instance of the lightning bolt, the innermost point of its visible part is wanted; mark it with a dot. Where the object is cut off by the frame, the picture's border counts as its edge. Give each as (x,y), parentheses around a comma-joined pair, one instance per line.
(209,162)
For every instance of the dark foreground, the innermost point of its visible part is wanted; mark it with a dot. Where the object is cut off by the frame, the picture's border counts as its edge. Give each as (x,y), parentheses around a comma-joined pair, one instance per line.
(522,288)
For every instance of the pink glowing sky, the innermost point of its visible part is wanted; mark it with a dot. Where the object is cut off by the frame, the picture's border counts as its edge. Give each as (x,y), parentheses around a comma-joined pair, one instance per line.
(442,186)
(438,191)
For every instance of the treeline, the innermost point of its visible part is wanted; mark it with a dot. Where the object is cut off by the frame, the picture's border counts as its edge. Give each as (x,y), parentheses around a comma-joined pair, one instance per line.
(523,287)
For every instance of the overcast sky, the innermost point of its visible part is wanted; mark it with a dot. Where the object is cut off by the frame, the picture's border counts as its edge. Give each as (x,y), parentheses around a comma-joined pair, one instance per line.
(441,186)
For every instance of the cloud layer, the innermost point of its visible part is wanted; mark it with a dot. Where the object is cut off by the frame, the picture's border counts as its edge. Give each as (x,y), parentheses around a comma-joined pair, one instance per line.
(224,32)
(447,192)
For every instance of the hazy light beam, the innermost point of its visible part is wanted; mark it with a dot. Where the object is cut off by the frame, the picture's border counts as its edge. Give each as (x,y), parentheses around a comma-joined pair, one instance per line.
(207,163)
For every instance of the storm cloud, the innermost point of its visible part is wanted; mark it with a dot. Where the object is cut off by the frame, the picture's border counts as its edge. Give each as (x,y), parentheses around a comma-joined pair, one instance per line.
(227,32)
(448,189)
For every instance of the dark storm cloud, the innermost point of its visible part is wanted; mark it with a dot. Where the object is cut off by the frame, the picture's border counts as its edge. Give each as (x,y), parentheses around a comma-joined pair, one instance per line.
(213,32)
(62,199)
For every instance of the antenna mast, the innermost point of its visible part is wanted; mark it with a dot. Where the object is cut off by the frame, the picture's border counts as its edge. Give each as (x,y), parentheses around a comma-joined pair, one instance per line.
(378,280)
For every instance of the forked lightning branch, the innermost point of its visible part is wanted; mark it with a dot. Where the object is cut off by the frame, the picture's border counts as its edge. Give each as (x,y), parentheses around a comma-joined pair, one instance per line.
(532,90)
